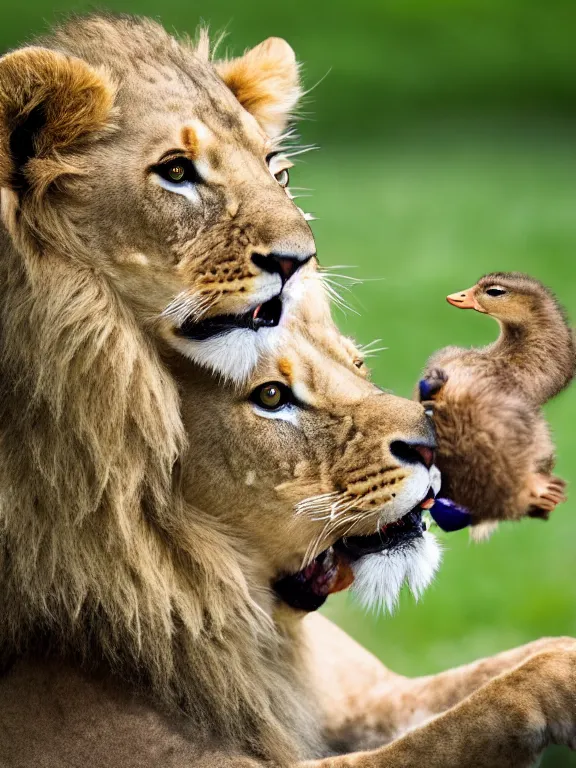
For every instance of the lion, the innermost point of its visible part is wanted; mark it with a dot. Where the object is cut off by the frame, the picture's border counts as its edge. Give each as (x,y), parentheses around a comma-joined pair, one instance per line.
(153,610)
(202,646)
(135,167)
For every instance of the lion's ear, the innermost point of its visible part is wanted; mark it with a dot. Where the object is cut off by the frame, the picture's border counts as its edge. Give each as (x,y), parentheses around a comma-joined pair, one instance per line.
(266,82)
(49,104)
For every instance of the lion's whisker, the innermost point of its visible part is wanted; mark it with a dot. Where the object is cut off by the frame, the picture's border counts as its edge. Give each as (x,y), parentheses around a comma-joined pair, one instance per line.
(300,151)
(374,352)
(369,345)
(186,305)
(313,503)
(336,285)
(327,272)
(337,299)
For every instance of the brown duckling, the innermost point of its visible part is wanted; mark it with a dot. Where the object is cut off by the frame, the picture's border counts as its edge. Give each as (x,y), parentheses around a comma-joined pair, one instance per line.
(495,452)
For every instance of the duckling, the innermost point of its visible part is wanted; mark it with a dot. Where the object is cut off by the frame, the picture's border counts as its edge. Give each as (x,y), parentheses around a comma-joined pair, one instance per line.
(495,452)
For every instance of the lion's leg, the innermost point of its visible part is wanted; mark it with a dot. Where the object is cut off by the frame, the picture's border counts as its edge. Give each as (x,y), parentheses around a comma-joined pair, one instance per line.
(429,696)
(364,705)
(507,723)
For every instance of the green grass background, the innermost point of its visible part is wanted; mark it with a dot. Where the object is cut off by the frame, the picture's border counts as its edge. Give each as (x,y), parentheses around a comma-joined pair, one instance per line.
(448,142)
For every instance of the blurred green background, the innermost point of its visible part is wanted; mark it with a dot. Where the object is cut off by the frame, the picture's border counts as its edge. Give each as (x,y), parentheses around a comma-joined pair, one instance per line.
(448,150)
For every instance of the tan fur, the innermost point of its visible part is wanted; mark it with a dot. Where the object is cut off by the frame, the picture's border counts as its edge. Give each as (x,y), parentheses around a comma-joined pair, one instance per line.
(103,558)
(76,102)
(494,447)
(265,81)
(100,556)
(130,592)
(252,682)
(496,713)
(353,459)
(115,548)
(86,117)
(191,142)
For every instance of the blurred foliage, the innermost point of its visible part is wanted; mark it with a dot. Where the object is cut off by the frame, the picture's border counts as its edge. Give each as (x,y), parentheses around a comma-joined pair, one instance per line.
(448,141)
(387,64)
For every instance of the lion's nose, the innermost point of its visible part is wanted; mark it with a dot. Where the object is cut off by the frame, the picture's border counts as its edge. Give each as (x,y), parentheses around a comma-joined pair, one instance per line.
(413,453)
(283,264)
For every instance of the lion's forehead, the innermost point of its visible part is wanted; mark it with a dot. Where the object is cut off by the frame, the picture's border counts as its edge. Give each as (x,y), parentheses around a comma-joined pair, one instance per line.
(154,72)
(130,45)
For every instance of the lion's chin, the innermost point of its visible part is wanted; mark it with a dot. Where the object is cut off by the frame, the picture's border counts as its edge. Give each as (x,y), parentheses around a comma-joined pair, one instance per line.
(376,566)
(379,576)
(400,553)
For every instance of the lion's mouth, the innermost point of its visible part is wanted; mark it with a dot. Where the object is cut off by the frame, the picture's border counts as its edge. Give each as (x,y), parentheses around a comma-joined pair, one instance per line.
(265,315)
(332,571)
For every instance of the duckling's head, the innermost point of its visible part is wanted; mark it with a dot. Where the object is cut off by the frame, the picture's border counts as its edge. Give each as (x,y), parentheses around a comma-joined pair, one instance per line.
(511,297)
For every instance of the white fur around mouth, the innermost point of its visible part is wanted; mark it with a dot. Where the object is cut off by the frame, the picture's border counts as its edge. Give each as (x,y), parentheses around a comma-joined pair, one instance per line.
(233,355)
(231,345)
(380,576)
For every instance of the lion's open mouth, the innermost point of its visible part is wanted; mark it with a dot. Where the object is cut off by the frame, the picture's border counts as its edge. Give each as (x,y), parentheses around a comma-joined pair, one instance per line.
(332,572)
(265,315)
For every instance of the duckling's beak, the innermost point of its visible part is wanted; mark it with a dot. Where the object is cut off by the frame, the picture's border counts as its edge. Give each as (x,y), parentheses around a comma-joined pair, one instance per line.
(465,300)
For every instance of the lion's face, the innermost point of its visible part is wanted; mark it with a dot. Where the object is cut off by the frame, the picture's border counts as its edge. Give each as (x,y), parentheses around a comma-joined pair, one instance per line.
(308,454)
(133,156)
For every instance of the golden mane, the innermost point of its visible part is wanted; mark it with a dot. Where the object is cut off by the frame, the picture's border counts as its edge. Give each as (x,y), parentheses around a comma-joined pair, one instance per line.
(101,559)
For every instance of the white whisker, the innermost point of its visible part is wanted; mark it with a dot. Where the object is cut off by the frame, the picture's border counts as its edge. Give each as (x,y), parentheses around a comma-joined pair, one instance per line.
(374,352)
(353,280)
(185,306)
(312,503)
(366,347)
(300,151)
(336,298)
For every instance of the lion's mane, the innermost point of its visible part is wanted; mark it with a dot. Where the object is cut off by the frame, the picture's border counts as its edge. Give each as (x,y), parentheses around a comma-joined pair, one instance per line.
(101,559)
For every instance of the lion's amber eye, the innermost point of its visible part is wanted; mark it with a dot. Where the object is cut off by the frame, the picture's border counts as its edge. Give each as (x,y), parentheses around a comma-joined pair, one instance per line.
(271,396)
(282,177)
(176,173)
(178,170)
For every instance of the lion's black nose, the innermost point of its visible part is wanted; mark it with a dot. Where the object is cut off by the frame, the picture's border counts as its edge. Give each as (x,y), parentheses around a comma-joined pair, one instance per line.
(283,264)
(413,453)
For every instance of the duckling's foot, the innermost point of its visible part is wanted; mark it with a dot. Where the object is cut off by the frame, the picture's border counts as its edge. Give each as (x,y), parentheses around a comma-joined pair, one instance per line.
(546,492)
(431,384)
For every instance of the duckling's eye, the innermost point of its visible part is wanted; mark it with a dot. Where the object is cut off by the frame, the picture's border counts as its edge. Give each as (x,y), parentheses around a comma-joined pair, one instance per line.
(358,362)
(495,291)
(272,396)
(283,177)
(179,171)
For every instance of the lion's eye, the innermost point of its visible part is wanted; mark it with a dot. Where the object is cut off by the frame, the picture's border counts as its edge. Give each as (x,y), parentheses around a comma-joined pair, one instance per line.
(271,396)
(178,171)
(496,290)
(283,177)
